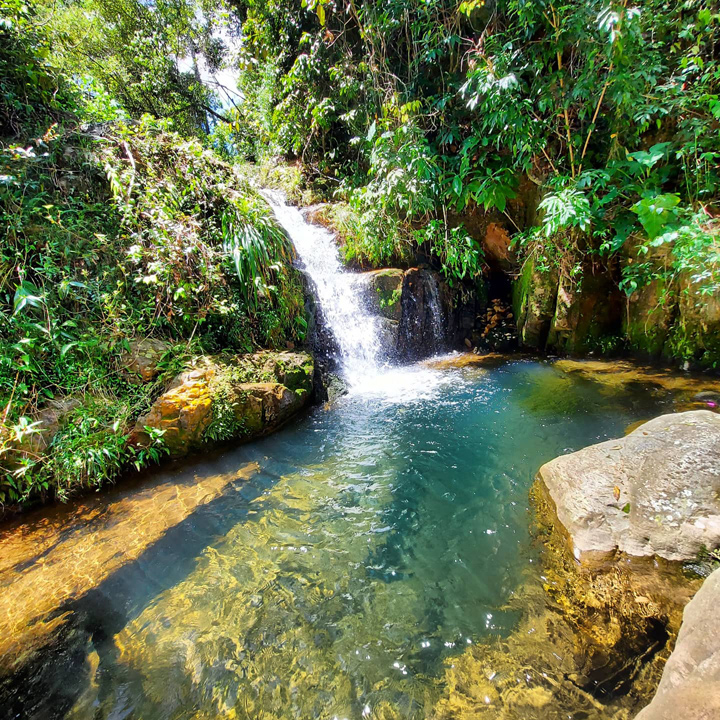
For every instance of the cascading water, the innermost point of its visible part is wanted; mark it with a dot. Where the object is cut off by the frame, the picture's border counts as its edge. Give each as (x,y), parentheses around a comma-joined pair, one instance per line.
(338,293)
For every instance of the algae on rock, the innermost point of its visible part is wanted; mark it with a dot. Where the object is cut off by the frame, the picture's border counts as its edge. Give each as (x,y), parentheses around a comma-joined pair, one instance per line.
(226,397)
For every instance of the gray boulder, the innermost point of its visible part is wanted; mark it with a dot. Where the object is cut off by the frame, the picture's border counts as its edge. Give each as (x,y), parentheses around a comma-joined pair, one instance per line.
(655,492)
(690,684)
(140,364)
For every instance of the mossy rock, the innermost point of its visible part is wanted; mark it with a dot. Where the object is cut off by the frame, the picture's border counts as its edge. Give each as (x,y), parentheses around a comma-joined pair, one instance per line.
(383,292)
(229,397)
(534,297)
(586,313)
(141,360)
(648,319)
(695,334)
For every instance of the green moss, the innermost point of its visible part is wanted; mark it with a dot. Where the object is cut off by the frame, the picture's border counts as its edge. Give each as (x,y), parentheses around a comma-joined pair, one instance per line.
(388,299)
(534,299)
(237,412)
(693,344)
(521,289)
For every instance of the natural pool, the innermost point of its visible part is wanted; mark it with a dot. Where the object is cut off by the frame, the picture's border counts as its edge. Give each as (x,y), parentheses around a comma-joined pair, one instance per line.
(378,539)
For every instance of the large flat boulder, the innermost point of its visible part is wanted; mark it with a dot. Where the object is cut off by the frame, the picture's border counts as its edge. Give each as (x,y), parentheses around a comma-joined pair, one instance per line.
(690,684)
(655,492)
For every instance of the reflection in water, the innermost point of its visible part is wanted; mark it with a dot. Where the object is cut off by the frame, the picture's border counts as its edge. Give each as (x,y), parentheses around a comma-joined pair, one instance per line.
(377,541)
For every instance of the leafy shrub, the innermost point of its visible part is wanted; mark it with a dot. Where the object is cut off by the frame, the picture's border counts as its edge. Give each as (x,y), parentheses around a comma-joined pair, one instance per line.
(132,232)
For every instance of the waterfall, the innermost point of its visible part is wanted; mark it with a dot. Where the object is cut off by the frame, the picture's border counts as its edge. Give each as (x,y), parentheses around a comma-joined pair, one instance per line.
(437,322)
(338,293)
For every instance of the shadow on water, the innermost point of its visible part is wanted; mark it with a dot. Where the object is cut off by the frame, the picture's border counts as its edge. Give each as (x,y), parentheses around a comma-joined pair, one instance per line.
(48,687)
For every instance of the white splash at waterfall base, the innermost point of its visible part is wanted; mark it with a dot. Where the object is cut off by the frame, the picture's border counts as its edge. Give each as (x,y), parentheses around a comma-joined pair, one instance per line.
(362,357)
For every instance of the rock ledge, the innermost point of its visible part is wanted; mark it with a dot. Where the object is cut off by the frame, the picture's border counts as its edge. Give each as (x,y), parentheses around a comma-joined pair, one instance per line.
(655,492)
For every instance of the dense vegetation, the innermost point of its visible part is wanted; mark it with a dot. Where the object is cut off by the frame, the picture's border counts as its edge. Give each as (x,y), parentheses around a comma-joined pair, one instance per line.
(589,130)
(112,232)
(411,111)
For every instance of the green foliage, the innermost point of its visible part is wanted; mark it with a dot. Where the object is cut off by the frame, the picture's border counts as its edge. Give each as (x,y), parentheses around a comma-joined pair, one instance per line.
(565,210)
(409,111)
(89,450)
(202,250)
(413,116)
(460,256)
(139,57)
(225,424)
(655,212)
(138,232)
(32,92)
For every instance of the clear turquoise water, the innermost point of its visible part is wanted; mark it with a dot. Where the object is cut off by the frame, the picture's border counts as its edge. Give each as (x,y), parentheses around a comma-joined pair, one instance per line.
(380,537)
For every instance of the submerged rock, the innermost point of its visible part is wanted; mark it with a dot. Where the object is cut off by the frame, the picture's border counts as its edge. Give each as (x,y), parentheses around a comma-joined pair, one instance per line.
(690,683)
(52,558)
(228,398)
(655,492)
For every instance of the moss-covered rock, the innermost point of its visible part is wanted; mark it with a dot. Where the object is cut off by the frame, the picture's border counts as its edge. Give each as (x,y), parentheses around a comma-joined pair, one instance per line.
(226,397)
(140,363)
(586,312)
(382,292)
(650,310)
(695,333)
(648,318)
(534,297)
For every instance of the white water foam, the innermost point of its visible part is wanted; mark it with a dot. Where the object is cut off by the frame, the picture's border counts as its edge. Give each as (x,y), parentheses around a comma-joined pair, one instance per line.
(339,294)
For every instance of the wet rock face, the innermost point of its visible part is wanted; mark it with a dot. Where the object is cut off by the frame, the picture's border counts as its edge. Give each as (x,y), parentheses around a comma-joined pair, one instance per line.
(555,312)
(655,492)
(690,683)
(381,294)
(419,315)
(585,313)
(223,400)
(424,323)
